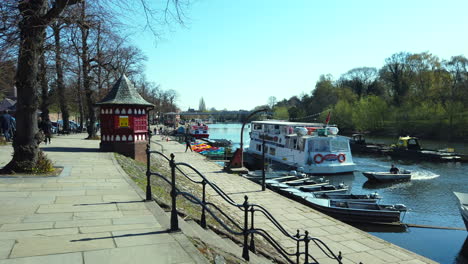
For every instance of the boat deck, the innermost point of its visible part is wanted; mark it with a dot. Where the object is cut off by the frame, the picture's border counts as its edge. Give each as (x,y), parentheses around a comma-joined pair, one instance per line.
(355,245)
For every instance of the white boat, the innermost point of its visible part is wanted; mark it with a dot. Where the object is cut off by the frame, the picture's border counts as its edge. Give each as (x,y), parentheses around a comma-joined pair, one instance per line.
(463,202)
(312,148)
(198,131)
(387,176)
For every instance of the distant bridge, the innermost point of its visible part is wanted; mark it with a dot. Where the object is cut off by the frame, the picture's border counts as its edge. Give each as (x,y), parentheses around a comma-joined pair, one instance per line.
(210,113)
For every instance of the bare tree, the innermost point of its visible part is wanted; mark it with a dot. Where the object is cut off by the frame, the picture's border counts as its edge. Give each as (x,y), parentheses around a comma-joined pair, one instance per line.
(63,101)
(35,16)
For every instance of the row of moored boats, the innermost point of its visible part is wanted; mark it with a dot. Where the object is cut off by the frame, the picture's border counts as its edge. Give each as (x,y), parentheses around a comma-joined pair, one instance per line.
(332,199)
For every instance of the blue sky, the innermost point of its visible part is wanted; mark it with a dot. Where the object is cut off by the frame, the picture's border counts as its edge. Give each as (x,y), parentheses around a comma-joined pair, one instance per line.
(237,53)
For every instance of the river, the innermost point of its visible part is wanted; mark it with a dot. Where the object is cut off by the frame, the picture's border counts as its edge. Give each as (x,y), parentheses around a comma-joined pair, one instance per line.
(429,197)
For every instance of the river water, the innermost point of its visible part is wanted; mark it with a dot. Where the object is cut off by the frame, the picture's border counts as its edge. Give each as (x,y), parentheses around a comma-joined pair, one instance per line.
(429,197)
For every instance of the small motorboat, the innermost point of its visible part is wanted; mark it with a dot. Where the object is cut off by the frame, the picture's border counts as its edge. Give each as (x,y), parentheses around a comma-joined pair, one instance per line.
(327,188)
(387,176)
(358,211)
(363,198)
(463,202)
(278,176)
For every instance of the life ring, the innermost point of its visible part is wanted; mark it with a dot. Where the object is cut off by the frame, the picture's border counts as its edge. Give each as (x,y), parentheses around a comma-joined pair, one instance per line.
(341,158)
(318,158)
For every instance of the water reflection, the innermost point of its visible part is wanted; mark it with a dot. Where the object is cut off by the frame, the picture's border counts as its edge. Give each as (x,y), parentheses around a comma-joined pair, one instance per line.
(397,228)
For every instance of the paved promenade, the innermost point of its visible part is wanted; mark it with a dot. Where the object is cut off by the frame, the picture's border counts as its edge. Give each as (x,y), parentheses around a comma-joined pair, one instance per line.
(90,214)
(356,245)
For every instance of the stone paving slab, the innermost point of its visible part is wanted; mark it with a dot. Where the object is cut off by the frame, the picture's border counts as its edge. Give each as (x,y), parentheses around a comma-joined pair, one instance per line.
(37,246)
(160,254)
(356,245)
(88,214)
(71,258)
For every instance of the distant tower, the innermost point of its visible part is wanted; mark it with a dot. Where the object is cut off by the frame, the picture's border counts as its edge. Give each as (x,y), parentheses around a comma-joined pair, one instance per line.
(124,121)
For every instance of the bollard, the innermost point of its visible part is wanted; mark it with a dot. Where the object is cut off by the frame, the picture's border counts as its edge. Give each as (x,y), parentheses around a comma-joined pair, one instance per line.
(245,248)
(149,195)
(203,216)
(174,220)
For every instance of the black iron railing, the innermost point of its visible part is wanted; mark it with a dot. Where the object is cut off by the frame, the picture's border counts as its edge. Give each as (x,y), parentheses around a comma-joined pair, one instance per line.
(302,241)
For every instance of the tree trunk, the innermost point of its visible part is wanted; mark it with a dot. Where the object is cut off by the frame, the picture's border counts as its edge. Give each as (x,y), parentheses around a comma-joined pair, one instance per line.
(79,96)
(45,100)
(60,84)
(86,78)
(26,141)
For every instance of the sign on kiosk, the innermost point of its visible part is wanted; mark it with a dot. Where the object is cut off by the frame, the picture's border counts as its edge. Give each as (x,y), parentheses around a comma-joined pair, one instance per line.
(123,121)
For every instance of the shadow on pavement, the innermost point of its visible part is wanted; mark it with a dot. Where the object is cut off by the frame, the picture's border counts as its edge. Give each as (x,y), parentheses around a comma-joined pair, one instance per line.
(69,149)
(125,235)
(140,201)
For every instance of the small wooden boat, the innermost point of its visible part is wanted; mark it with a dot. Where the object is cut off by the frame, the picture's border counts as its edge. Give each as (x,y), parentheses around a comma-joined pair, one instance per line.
(387,176)
(463,202)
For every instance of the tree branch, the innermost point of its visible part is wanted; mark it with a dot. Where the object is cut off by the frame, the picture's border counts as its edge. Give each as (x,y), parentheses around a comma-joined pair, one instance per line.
(57,9)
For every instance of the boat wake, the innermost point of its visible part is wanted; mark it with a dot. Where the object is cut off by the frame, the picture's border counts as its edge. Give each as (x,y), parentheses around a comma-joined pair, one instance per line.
(423,175)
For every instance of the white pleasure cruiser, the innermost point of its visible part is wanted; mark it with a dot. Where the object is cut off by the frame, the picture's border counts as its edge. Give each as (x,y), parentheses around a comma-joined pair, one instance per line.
(310,147)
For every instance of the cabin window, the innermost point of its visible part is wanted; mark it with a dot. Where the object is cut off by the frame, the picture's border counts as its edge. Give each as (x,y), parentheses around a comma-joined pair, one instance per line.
(272,151)
(300,144)
(259,147)
(319,146)
(339,145)
(266,149)
(276,126)
(257,127)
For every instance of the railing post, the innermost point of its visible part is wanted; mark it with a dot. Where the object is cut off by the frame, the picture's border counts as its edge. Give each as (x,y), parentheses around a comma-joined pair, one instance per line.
(245,250)
(252,242)
(298,252)
(149,195)
(203,216)
(174,220)
(306,241)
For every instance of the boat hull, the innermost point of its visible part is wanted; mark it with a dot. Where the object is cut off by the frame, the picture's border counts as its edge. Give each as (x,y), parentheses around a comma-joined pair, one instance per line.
(463,206)
(387,177)
(254,161)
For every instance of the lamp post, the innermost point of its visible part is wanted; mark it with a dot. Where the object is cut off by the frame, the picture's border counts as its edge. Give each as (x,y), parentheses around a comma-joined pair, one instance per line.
(242,132)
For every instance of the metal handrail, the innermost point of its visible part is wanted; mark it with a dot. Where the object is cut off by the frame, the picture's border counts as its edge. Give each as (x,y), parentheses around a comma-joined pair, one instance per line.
(245,207)
(197,201)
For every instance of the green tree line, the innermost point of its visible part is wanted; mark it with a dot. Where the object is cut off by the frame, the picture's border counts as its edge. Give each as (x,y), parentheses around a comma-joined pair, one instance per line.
(412,94)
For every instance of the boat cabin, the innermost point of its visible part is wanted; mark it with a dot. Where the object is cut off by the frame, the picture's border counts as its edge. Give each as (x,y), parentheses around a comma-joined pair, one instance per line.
(410,143)
(312,147)
(358,139)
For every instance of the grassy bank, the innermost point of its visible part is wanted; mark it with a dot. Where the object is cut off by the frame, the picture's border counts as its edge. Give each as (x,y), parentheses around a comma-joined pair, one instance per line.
(188,210)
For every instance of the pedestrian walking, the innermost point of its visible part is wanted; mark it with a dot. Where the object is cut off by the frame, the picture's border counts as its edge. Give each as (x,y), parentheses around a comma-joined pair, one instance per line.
(188,144)
(6,123)
(46,127)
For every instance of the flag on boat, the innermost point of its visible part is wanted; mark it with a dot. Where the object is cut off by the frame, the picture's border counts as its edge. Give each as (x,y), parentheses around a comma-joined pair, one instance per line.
(328,118)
